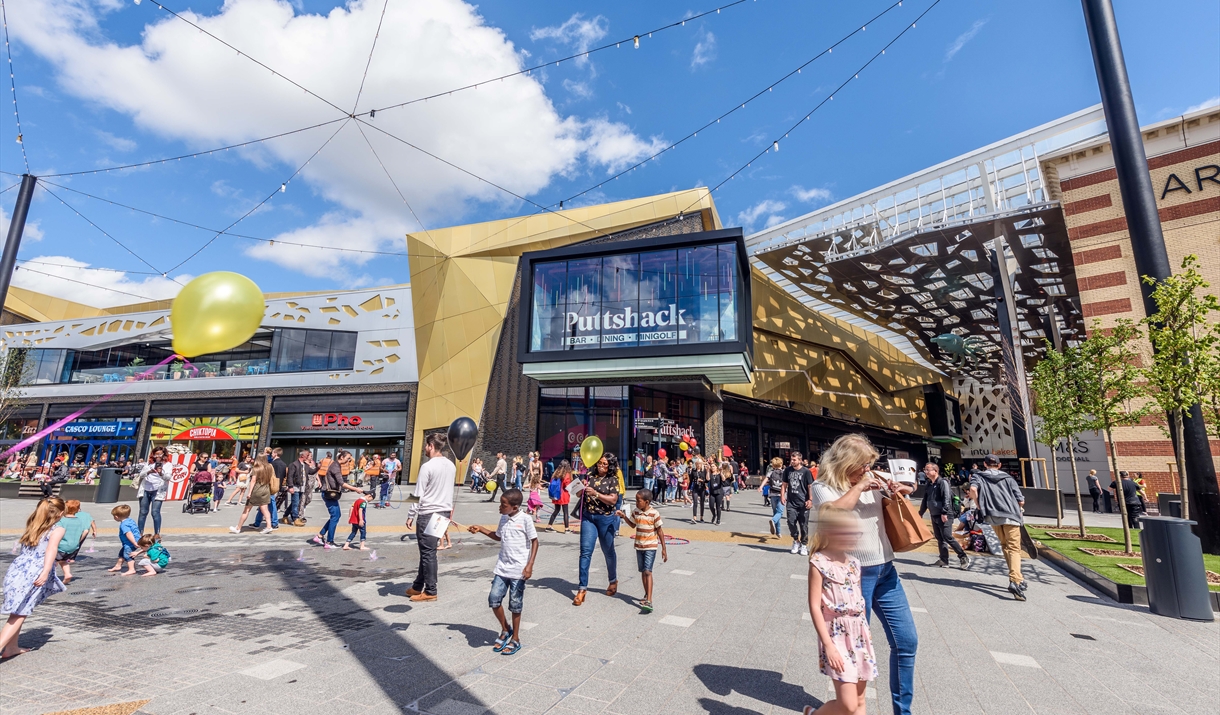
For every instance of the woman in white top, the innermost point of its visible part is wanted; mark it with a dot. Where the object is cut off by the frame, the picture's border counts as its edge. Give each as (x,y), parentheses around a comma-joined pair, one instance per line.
(153,485)
(845,480)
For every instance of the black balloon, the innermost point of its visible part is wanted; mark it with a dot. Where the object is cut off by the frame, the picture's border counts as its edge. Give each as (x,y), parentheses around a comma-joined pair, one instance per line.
(462,434)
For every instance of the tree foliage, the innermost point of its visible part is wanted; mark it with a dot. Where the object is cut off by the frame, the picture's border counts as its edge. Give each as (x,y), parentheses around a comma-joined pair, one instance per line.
(1057,401)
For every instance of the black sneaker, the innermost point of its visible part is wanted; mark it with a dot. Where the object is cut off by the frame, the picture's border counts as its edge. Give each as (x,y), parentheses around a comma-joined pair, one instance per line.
(942,564)
(964,562)
(1024,585)
(1016,591)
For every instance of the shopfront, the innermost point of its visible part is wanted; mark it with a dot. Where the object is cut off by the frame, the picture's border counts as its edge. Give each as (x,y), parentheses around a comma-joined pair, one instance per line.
(225,436)
(88,440)
(322,433)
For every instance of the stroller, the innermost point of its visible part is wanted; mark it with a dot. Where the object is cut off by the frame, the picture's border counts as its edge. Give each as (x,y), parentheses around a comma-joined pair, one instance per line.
(199,501)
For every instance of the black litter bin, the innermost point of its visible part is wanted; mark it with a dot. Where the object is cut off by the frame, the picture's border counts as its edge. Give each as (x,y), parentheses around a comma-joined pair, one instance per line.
(109,480)
(1173,569)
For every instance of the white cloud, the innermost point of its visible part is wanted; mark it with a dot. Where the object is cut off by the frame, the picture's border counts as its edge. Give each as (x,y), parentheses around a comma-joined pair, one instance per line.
(767,207)
(705,51)
(115,142)
(580,89)
(577,32)
(33,233)
(957,45)
(804,195)
(624,107)
(1205,104)
(184,86)
(70,278)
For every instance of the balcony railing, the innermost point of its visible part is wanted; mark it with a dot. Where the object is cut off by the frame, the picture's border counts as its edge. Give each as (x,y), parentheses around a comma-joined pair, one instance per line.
(193,371)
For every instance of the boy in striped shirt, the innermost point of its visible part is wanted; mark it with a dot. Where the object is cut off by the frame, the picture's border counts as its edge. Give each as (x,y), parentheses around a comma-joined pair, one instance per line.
(648,536)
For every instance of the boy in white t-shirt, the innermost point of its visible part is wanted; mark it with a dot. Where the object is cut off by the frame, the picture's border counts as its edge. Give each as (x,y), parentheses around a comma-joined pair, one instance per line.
(518,547)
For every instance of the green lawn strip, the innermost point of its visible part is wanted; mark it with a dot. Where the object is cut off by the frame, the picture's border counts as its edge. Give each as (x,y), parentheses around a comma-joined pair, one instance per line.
(1106,565)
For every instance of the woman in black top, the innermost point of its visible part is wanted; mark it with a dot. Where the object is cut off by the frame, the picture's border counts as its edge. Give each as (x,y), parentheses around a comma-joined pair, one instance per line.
(698,489)
(598,523)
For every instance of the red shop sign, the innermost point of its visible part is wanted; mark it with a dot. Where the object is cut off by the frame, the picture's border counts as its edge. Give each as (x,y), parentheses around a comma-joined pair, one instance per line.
(205,432)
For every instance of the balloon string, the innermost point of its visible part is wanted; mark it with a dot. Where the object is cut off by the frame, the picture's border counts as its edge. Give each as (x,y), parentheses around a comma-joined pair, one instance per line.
(61,422)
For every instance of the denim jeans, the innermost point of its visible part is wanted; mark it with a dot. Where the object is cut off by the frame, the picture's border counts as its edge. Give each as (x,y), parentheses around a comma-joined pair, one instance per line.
(650,483)
(883,593)
(328,529)
(385,492)
(357,529)
(597,528)
(514,588)
(777,512)
(273,510)
(149,502)
(294,506)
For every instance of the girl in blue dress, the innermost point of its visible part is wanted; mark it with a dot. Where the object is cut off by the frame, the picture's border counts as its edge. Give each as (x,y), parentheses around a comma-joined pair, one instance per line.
(31,577)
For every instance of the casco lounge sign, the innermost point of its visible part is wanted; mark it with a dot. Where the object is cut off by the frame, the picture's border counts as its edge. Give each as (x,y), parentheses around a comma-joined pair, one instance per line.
(665,324)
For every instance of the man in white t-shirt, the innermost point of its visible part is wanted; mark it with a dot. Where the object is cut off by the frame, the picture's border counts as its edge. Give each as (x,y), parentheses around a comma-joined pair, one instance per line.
(434,490)
(518,547)
(389,477)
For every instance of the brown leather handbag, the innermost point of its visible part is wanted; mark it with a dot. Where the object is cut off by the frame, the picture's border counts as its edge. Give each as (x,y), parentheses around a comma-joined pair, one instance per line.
(905,529)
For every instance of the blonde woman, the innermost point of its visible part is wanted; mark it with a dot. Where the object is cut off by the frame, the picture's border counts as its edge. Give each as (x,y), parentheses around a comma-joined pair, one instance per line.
(31,576)
(771,489)
(846,481)
(260,495)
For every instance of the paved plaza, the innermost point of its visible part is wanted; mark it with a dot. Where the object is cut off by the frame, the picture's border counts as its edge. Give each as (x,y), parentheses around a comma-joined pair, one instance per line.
(268,624)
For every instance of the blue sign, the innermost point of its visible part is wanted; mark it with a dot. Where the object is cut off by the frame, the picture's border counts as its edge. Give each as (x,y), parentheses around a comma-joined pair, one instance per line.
(97,429)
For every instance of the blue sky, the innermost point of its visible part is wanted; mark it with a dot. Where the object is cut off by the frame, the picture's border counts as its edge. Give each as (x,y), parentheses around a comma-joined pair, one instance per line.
(102,83)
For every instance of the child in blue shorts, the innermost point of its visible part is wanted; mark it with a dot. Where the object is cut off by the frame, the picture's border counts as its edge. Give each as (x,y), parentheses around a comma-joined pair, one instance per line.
(129,539)
(518,547)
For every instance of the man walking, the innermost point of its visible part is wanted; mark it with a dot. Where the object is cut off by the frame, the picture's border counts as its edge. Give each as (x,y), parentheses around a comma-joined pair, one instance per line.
(434,489)
(796,494)
(297,476)
(938,499)
(389,477)
(1131,496)
(1001,504)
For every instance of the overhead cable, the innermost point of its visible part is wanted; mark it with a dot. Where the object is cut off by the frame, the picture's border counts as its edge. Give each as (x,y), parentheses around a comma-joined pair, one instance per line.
(103,231)
(12,83)
(91,285)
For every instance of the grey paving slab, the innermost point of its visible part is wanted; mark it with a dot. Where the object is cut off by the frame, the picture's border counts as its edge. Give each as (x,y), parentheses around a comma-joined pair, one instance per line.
(233,604)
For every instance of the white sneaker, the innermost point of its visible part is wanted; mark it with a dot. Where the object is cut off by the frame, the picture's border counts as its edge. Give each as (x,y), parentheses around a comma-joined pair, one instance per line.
(268,530)
(804,550)
(795,547)
(234,530)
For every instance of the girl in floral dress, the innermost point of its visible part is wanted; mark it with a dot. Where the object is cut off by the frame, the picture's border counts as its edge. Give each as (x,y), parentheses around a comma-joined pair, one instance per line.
(31,577)
(836,604)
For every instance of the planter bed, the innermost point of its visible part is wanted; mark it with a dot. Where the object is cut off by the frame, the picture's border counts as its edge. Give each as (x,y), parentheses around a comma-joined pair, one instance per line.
(1111,552)
(1075,536)
(1213,578)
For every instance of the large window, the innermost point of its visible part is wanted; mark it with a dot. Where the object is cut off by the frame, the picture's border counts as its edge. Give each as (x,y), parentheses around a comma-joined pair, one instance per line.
(296,350)
(41,366)
(681,296)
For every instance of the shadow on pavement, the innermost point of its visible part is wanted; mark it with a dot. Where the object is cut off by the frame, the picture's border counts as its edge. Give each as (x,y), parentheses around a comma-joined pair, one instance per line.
(1000,592)
(400,670)
(763,685)
(715,707)
(1099,601)
(563,587)
(476,636)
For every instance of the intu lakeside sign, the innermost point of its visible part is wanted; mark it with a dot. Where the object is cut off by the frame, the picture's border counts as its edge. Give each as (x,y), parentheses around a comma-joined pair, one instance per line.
(653,297)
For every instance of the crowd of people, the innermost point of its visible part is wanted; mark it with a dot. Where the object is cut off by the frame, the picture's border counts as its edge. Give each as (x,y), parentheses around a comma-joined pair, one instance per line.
(833,509)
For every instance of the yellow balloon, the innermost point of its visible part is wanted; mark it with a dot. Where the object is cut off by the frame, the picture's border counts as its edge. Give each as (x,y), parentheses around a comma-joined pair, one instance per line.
(490,486)
(591,450)
(216,312)
(683,446)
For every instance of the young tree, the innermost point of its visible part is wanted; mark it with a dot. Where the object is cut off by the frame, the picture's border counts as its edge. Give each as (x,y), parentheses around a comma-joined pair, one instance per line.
(1184,353)
(14,369)
(1111,388)
(1057,402)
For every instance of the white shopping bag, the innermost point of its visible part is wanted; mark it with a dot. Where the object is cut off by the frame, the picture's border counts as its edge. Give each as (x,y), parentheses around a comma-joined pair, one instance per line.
(903,470)
(437,526)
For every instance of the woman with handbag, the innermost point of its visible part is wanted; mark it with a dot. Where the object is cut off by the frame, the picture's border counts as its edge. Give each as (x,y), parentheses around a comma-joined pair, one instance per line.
(334,482)
(260,495)
(846,481)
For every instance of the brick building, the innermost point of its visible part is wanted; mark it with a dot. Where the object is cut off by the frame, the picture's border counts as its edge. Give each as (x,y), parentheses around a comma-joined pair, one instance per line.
(1184,161)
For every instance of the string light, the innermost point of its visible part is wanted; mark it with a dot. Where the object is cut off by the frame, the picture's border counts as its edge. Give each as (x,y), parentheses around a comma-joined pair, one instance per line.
(12,82)
(637,44)
(775,146)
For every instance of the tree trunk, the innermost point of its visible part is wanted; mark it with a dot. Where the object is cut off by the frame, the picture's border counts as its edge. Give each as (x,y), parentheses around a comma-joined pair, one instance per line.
(1179,449)
(1058,497)
(1118,493)
(1076,481)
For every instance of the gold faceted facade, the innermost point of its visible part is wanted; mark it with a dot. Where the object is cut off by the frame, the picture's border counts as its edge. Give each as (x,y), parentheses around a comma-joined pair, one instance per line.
(462,280)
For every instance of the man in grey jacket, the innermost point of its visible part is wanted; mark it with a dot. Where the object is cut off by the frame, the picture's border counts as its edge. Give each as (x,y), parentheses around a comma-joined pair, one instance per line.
(1002,505)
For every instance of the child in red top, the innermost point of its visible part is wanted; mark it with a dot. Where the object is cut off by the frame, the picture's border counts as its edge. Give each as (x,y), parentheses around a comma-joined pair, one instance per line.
(357,521)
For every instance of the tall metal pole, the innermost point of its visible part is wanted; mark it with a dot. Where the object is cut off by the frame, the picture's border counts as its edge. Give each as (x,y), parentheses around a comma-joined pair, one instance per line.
(1147,241)
(16,228)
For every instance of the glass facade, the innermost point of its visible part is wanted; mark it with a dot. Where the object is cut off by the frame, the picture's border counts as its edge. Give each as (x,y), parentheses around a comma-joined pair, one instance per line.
(681,296)
(279,350)
(632,422)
